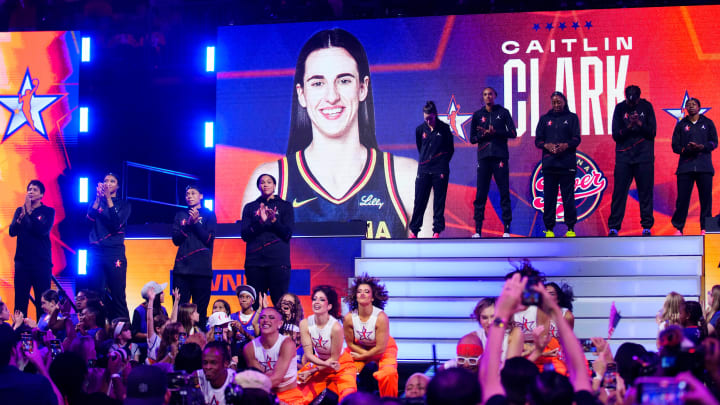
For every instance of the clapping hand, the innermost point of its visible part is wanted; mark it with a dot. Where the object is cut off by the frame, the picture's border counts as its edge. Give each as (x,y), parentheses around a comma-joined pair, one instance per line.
(194,215)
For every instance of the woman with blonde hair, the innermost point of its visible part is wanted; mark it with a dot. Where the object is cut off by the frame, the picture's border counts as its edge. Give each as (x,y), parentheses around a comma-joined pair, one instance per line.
(672,312)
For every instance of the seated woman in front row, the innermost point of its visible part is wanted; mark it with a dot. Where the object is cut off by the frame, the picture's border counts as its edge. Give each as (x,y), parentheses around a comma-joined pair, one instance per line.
(326,365)
(367,333)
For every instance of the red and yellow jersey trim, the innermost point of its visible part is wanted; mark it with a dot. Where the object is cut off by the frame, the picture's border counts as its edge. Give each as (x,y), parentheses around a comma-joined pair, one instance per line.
(392,188)
(284,173)
(359,184)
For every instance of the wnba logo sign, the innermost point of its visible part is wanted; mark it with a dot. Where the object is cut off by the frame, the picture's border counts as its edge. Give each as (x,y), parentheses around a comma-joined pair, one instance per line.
(590,183)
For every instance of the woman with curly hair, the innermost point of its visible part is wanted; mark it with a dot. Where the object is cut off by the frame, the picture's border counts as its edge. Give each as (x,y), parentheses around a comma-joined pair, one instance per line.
(326,365)
(367,333)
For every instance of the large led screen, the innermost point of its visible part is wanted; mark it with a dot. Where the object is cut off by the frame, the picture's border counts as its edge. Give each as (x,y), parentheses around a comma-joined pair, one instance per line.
(345,148)
(38,120)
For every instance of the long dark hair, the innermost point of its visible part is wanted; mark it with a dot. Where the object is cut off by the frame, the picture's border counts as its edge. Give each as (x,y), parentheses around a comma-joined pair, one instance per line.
(332,298)
(300,126)
(564,293)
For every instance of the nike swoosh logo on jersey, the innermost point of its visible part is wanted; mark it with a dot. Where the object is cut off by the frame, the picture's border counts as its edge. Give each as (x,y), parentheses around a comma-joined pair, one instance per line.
(297,203)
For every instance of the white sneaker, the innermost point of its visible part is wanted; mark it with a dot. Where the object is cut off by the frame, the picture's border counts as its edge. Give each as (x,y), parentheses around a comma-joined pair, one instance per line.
(506,235)
(476,235)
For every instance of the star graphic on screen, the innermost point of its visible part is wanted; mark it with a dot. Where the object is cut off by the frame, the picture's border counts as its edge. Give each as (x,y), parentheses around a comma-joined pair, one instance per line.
(548,26)
(588,24)
(26,107)
(536,27)
(679,113)
(455,119)
(562,26)
(319,342)
(576,25)
(365,334)
(269,363)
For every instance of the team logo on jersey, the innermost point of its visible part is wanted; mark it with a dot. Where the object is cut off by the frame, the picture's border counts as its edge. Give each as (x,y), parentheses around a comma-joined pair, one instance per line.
(370,200)
(297,203)
(26,105)
(590,184)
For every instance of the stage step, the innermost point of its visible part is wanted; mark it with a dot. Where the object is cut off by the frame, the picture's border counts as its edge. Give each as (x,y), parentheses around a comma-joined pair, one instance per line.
(435,284)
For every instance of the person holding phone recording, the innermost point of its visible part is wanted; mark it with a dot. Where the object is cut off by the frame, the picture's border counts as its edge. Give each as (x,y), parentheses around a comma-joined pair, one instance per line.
(108,216)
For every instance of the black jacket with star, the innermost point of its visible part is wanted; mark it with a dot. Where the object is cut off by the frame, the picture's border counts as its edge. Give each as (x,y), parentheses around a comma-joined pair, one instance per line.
(634,144)
(494,145)
(267,244)
(436,147)
(108,225)
(702,132)
(33,236)
(562,127)
(194,242)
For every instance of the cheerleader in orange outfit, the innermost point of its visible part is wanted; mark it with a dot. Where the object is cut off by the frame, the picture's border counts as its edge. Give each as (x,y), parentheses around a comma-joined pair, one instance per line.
(367,333)
(327,366)
(274,354)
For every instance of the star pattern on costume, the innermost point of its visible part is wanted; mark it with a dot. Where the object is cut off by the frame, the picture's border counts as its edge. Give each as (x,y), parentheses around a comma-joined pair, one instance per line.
(38,103)
(679,113)
(269,363)
(455,119)
(365,334)
(319,342)
(118,263)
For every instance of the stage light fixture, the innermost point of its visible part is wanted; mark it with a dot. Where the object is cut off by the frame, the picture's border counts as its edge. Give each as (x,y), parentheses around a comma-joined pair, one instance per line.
(83,119)
(208,203)
(82,262)
(209,139)
(210,59)
(83,193)
(85,49)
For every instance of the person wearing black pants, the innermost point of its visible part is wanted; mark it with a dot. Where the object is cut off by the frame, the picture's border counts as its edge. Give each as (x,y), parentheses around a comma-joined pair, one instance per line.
(558,135)
(633,130)
(107,264)
(31,224)
(267,226)
(491,128)
(435,144)
(694,138)
(194,235)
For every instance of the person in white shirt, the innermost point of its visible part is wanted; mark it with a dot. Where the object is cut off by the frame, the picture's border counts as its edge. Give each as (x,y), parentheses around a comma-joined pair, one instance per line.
(215,374)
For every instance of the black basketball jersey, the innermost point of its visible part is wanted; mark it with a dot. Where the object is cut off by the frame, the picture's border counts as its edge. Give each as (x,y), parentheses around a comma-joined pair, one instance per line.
(373,196)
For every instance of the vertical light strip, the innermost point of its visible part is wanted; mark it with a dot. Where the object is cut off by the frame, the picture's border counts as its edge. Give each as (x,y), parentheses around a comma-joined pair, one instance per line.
(210,59)
(85,49)
(209,137)
(82,262)
(83,190)
(83,119)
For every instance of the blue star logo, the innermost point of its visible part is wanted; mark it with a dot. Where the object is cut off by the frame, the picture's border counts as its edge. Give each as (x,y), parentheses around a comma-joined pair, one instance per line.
(679,113)
(576,25)
(588,24)
(536,27)
(562,26)
(548,26)
(26,107)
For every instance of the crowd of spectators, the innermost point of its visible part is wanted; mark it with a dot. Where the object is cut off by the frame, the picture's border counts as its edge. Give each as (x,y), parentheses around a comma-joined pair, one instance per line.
(525,351)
